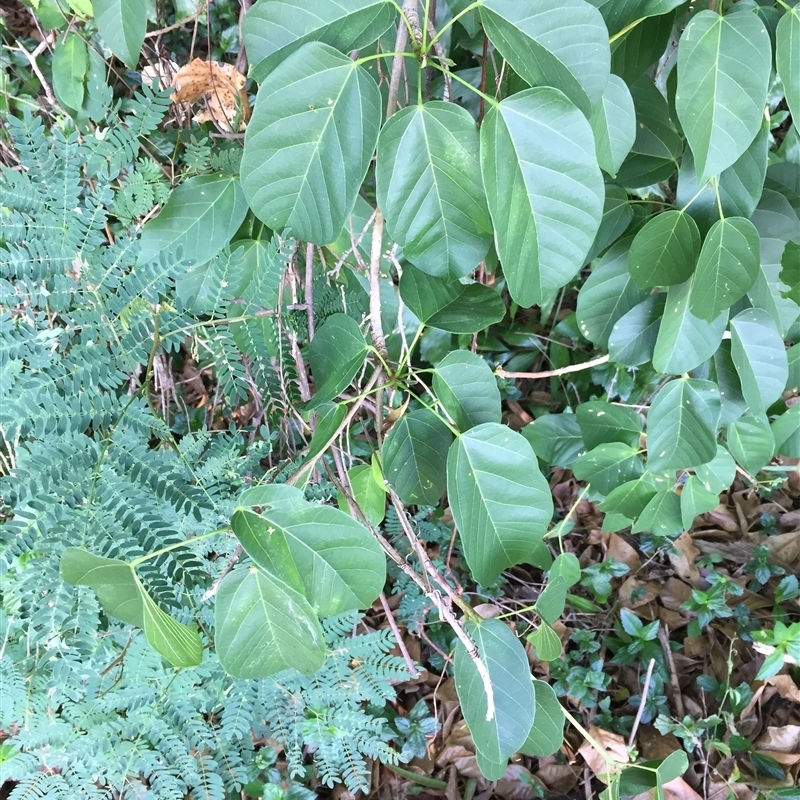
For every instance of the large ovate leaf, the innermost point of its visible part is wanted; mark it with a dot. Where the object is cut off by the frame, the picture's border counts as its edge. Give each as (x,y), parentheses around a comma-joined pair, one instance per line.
(272,29)
(449,305)
(601,423)
(556,439)
(790,271)
(665,250)
(310,141)
(684,341)
(751,441)
(630,498)
(122,24)
(724,66)
(777,224)
(661,515)
(760,358)
(787,58)
(613,123)
(727,267)
(544,188)
(466,387)
(682,425)
(415,457)
(429,188)
(633,336)
(317,550)
(122,595)
(499,735)
(538,40)
(607,295)
(617,215)
(198,220)
(263,626)
(336,354)
(547,733)
(608,466)
(500,501)
(70,65)
(696,499)
(717,474)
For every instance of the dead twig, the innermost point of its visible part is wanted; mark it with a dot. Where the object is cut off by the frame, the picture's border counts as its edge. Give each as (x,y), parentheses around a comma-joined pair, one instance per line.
(553,373)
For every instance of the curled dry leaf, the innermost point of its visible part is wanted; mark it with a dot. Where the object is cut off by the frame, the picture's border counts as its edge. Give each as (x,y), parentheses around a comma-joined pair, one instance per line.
(221,86)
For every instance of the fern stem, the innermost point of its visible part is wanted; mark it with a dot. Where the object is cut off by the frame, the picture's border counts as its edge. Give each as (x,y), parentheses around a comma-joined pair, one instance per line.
(170,547)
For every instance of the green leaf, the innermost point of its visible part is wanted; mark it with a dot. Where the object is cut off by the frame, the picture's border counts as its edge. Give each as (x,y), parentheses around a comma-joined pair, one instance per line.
(786,432)
(264,626)
(776,222)
(723,373)
(544,188)
(200,217)
(336,353)
(661,515)
(70,65)
(547,733)
(538,41)
(415,457)
(450,306)
(760,358)
(718,474)
(673,766)
(682,425)
(608,466)
(310,142)
(429,188)
(122,24)
(556,439)
(665,250)
(613,123)
(566,566)
(603,422)
(739,186)
(552,600)
(466,387)
(684,341)
(633,337)
(723,74)
(317,550)
(546,643)
(122,596)
(621,13)
(500,501)
(787,58)
(607,295)
(751,442)
(727,267)
(790,271)
(629,499)
(696,499)
(367,492)
(640,47)
(112,580)
(499,737)
(654,155)
(273,29)
(617,215)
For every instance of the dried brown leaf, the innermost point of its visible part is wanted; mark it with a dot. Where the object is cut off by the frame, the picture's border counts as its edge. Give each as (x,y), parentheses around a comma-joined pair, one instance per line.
(221,86)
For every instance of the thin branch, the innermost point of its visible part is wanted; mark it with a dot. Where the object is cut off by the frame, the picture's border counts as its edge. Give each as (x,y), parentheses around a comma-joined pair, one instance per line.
(674,683)
(228,567)
(412,667)
(375,325)
(642,702)
(553,373)
(309,289)
(180,23)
